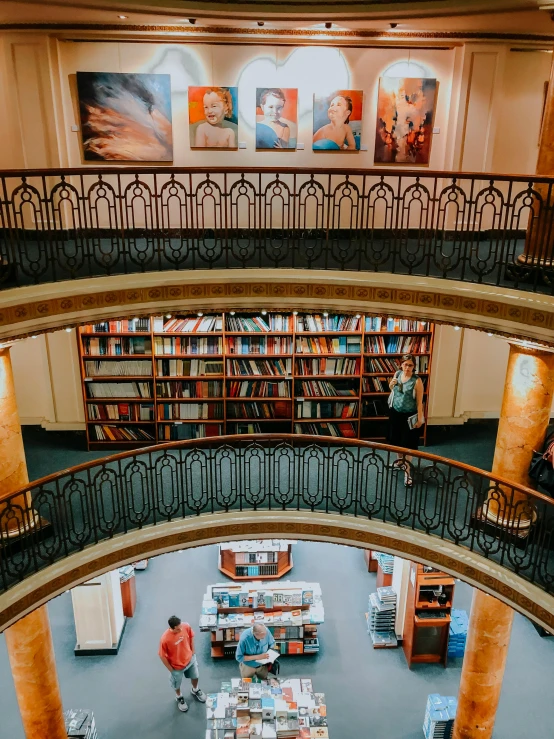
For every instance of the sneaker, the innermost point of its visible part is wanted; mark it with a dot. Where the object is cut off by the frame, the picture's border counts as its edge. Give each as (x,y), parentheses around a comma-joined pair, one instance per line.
(182,705)
(199,695)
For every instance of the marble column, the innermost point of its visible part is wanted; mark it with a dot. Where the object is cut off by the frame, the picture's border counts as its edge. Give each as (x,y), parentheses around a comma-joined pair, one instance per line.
(13,468)
(528,393)
(539,242)
(31,655)
(29,641)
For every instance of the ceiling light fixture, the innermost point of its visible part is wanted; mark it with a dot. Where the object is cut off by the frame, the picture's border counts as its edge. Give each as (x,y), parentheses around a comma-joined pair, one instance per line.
(34,336)
(168,315)
(393,25)
(192,21)
(456,328)
(232,312)
(200,313)
(123,17)
(68,330)
(261,23)
(328,25)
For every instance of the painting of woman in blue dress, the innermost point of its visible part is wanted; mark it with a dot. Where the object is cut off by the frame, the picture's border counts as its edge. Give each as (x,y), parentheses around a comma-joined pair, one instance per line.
(276,118)
(338,121)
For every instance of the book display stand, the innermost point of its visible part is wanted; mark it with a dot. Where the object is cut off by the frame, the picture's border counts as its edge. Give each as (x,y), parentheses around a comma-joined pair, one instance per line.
(292,612)
(267,558)
(428,615)
(272,709)
(162,378)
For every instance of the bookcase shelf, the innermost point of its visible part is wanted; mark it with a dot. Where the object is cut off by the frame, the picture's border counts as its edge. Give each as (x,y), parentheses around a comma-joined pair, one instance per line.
(234,372)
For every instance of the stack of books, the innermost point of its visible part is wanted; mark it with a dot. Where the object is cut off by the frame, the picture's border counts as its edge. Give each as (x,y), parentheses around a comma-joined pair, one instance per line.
(440,713)
(386,562)
(80,724)
(271,709)
(381,618)
(458,633)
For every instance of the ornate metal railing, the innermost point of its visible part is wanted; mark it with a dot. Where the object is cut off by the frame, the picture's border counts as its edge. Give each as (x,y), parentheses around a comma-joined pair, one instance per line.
(109,497)
(66,224)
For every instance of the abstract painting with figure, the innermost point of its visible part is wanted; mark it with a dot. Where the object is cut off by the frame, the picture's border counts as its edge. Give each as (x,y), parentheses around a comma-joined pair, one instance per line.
(125,117)
(213,117)
(276,117)
(405,112)
(338,121)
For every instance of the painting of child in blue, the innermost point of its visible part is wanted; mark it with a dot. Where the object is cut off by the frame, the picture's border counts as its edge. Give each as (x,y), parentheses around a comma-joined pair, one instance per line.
(338,121)
(276,118)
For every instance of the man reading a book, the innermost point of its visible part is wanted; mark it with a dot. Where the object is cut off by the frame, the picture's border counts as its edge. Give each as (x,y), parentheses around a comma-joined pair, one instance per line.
(252,650)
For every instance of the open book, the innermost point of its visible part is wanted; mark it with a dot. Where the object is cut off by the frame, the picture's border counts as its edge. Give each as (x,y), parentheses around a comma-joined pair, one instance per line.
(271,657)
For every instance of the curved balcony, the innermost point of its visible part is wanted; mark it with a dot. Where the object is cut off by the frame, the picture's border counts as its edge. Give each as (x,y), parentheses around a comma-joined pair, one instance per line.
(65,224)
(65,528)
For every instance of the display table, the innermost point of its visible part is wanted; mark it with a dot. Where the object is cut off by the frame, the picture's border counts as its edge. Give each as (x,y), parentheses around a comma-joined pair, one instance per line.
(245,560)
(290,610)
(270,708)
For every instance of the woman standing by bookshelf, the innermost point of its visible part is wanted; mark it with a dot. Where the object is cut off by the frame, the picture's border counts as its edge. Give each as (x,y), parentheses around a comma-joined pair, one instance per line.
(405,402)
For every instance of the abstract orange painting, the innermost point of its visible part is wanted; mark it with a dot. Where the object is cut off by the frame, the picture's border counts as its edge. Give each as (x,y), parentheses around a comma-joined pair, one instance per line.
(405,113)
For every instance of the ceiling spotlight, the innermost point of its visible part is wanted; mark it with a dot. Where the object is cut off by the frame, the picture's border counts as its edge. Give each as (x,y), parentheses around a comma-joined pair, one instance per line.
(123,17)
(325,314)
(168,315)
(393,25)
(358,315)
(232,312)
(328,24)
(192,21)
(456,328)
(295,313)
(489,334)
(34,336)
(264,312)
(68,330)
(200,313)
(261,23)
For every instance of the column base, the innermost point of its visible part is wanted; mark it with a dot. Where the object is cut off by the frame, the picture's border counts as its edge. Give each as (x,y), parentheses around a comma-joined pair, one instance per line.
(496,526)
(16,540)
(528,260)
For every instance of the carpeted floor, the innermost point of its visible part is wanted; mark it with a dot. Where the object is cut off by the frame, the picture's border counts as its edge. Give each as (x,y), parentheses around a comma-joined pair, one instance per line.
(370,693)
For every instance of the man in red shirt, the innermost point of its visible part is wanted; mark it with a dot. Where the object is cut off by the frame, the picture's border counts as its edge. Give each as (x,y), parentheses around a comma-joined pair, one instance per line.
(177,654)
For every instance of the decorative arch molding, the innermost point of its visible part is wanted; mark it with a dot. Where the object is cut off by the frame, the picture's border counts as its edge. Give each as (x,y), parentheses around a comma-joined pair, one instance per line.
(309,526)
(29,310)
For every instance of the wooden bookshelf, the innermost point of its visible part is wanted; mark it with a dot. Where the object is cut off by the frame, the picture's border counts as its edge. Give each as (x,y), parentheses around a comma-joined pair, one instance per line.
(229,608)
(267,559)
(195,375)
(427,620)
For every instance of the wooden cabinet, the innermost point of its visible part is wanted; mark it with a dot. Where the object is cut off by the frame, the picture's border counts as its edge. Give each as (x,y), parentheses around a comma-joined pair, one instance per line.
(427,620)
(268,560)
(129,596)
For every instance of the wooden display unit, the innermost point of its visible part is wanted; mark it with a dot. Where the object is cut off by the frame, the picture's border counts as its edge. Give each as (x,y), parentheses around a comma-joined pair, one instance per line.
(427,620)
(270,559)
(163,378)
(293,625)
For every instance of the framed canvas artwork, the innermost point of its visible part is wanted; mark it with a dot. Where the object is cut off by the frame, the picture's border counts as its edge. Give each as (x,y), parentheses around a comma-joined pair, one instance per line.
(276,117)
(125,117)
(338,121)
(213,117)
(405,113)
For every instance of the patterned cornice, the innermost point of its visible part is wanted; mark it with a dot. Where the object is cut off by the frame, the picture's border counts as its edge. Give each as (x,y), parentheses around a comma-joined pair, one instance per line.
(27,317)
(354,533)
(202,32)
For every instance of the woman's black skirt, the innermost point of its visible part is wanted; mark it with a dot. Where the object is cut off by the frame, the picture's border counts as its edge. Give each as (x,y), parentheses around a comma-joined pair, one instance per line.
(400,434)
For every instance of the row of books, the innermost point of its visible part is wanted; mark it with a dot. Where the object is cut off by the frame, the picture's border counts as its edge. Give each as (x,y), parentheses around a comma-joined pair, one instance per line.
(275,709)
(256,557)
(185,431)
(233,633)
(191,324)
(117,327)
(318,322)
(258,345)
(256,570)
(344,430)
(183,345)
(279,409)
(189,411)
(259,389)
(116,345)
(124,368)
(328,345)
(396,344)
(322,409)
(188,367)
(257,545)
(120,412)
(388,365)
(380,384)
(252,595)
(120,433)
(328,366)
(118,389)
(255,324)
(324,388)
(190,389)
(259,367)
(391,323)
